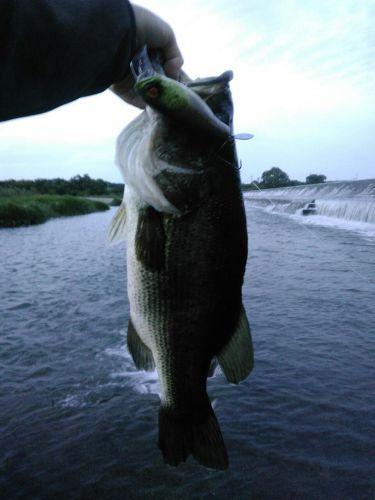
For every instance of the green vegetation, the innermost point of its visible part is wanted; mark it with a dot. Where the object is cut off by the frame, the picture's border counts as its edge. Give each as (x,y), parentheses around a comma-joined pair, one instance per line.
(76,186)
(116,202)
(34,209)
(275,178)
(315,179)
(27,202)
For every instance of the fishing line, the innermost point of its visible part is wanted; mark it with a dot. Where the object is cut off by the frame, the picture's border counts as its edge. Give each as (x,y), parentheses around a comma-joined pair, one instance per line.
(232,139)
(261,190)
(321,240)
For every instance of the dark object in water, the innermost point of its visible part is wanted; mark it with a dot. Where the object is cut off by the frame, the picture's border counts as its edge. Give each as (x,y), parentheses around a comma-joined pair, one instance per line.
(310,209)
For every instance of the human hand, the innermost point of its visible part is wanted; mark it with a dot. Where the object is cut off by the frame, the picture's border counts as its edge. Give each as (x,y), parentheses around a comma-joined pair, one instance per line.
(152,31)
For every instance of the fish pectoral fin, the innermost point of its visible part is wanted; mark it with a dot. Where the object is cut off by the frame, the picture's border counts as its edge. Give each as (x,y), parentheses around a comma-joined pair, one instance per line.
(213,365)
(116,231)
(141,354)
(237,358)
(150,239)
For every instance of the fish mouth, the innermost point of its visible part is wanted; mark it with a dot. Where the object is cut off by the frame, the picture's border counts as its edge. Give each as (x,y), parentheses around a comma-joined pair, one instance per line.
(183,102)
(223,79)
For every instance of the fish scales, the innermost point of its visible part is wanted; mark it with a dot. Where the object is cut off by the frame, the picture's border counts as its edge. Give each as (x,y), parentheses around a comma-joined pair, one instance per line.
(186,255)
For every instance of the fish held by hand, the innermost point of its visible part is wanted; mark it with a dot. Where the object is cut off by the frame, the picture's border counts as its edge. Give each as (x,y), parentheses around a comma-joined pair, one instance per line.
(186,243)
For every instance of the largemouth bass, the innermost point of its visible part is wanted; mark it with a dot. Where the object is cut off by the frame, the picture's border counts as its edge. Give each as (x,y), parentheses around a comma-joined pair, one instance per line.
(184,222)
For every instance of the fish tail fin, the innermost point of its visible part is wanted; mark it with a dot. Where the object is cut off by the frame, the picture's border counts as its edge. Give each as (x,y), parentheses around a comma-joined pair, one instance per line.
(208,443)
(197,434)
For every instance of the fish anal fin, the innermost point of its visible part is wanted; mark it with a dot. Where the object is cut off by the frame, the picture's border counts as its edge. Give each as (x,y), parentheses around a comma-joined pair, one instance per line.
(150,239)
(116,231)
(141,354)
(236,359)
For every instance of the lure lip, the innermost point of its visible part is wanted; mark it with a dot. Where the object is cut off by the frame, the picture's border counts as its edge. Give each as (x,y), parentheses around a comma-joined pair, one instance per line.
(143,67)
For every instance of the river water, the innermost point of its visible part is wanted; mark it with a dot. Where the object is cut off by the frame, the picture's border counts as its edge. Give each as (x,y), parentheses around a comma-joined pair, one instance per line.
(77,420)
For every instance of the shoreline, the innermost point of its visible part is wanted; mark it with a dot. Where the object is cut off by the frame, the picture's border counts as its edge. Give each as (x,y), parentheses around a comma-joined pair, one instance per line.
(26,210)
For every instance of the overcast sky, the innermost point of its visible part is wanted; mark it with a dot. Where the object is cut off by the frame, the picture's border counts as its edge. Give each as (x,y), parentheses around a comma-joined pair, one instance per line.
(304,85)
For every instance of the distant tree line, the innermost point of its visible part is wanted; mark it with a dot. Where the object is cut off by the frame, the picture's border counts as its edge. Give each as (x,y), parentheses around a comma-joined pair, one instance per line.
(81,185)
(275,177)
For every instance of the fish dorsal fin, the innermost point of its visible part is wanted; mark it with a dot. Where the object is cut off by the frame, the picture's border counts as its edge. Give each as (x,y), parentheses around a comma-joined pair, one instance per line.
(141,354)
(150,239)
(116,231)
(236,358)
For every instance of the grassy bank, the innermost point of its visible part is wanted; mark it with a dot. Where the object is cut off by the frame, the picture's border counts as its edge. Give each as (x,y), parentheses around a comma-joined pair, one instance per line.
(18,211)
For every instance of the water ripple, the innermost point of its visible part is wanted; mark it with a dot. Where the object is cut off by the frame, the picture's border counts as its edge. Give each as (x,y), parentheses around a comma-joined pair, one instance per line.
(77,417)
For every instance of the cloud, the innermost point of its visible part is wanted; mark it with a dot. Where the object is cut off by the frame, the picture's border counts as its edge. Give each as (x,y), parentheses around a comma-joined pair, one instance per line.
(303,71)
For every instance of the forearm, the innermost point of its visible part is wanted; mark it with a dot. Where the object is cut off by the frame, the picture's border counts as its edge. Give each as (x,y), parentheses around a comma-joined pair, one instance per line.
(55,51)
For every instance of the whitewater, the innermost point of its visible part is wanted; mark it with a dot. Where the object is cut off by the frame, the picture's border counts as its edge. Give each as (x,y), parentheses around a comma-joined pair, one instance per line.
(348,200)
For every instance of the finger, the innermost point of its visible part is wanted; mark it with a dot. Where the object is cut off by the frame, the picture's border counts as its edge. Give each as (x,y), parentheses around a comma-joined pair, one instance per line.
(126,92)
(157,34)
(173,58)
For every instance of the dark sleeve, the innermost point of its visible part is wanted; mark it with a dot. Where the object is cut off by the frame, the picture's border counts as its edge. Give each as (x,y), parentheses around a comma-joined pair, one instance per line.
(55,51)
